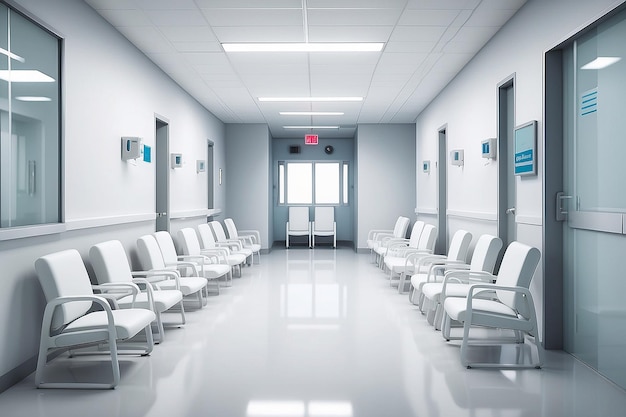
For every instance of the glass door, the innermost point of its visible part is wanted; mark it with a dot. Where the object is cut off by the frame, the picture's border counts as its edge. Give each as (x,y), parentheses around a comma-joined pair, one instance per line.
(594,197)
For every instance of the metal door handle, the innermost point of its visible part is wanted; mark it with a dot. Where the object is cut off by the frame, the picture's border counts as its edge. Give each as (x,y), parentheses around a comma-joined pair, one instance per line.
(561,212)
(510,210)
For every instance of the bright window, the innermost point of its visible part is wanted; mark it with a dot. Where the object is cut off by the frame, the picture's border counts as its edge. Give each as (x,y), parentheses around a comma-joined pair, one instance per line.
(320,183)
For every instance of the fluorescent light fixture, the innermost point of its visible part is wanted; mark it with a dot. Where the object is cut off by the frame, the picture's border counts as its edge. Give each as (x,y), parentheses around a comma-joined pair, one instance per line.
(310,127)
(25,76)
(33,98)
(601,62)
(310,99)
(305,47)
(11,55)
(311,113)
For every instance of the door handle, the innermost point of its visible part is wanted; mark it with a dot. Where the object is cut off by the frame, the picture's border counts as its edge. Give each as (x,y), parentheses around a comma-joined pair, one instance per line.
(510,210)
(561,212)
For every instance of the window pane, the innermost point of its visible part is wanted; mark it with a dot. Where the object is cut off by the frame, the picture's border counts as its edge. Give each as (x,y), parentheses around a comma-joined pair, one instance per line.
(327,183)
(281,183)
(29,175)
(299,183)
(345,183)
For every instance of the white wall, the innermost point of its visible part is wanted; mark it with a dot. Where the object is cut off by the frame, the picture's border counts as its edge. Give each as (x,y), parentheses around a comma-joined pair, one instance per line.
(110,90)
(385,160)
(248,179)
(469,108)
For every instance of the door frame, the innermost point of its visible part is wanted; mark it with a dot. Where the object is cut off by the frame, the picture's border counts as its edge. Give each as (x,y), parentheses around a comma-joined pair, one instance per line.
(162,173)
(504,165)
(442,190)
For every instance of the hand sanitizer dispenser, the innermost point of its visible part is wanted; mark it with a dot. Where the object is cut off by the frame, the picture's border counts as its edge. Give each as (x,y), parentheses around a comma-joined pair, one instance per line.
(131,148)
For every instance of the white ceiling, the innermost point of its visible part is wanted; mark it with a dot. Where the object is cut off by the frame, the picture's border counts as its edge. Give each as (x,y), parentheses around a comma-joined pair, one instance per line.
(427,42)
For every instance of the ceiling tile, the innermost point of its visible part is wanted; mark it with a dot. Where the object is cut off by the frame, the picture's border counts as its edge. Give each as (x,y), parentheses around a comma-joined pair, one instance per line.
(428,17)
(166,4)
(260,34)
(349,33)
(417,33)
(353,17)
(126,17)
(176,17)
(248,4)
(188,33)
(253,17)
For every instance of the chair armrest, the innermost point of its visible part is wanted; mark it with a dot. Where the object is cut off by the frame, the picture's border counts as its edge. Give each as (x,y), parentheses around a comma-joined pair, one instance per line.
(465,277)
(169,274)
(476,289)
(372,233)
(254,234)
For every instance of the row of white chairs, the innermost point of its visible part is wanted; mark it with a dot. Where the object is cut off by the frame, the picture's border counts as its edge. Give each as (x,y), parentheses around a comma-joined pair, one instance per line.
(300,224)
(453,293)
(125,303)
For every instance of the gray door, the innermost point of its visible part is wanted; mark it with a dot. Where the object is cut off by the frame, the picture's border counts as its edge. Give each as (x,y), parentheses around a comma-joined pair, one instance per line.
(506,150)
(162,176)
(442,185)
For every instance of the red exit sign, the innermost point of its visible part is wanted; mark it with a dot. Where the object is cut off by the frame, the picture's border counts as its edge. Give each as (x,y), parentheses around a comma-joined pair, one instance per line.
(311,139)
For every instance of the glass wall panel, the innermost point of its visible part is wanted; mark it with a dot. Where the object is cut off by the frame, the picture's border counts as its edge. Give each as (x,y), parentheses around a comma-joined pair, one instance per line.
(29,122)
(595,85)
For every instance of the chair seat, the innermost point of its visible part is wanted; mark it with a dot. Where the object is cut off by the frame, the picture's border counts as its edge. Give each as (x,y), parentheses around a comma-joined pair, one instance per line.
(457,308)
(188,285)
(432,290)
(213,271)
(128,322)
(163,300)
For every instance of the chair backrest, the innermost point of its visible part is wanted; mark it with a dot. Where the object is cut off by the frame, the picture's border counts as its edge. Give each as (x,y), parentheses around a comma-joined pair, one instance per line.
(218,231)
(207,240)
(402,224)
(231,228)
(486,253)
(459,245)
(149,253)
(64,274)
(166,244)
(324,218)
(110,263)
(189,243)
(516,270)
(416,232)
(428,237)
(298,218)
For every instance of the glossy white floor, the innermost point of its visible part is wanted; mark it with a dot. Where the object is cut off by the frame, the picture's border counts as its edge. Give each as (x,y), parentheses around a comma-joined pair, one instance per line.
(316,333)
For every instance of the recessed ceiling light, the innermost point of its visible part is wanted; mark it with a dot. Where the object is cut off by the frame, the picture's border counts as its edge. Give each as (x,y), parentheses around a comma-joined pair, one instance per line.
(311,99)
(310,127)
(25,76)
(33,98)
(305,47)
(311,113)
(601,62)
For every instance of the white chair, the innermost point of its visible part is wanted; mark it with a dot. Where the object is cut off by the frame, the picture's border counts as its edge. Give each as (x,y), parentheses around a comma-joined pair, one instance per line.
(324,224)
(458,279)
(208,243)
(250,239)
(114,276)
(203,267)
(505,305)
(213,263)
(432,267)
(298,224)
(69,321)
(168,277)
(400,246)
(234,245)
(375,237)
(407,264)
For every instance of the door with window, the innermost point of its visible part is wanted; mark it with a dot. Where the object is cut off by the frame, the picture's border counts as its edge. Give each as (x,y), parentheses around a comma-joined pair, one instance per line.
(593,202)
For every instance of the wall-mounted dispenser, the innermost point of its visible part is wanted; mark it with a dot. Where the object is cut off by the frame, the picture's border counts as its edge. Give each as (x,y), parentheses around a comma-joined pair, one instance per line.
(426,167)
(131,148)
(488,148)
(177,160)
(456,157)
